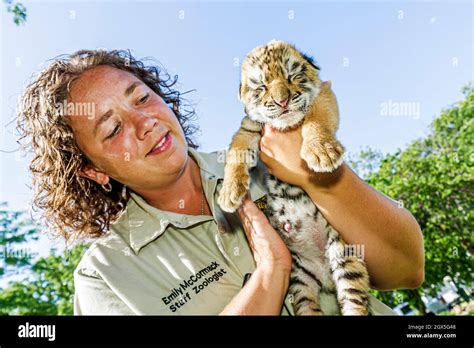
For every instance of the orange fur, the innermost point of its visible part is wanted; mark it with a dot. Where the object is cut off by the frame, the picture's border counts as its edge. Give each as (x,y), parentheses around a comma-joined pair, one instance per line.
(265,81)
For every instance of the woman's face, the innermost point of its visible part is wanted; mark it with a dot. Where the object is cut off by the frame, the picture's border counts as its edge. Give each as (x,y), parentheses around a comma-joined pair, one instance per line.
(129,119)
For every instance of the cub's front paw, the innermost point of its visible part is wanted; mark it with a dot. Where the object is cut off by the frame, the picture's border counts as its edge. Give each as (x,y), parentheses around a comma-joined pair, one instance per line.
(322,156)
(233,191)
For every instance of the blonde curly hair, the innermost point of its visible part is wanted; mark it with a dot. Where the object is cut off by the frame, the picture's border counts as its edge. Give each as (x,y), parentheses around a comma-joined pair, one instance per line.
(72,206)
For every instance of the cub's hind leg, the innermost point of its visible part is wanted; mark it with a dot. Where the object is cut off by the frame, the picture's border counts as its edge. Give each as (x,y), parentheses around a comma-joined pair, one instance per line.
(305,290)
(349,274)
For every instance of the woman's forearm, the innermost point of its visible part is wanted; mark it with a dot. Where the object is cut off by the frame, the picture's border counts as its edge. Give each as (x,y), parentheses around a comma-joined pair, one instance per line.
(391,238)
(263,294)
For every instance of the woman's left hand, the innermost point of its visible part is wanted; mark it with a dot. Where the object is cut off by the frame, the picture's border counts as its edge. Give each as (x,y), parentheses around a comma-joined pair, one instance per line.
(280,151)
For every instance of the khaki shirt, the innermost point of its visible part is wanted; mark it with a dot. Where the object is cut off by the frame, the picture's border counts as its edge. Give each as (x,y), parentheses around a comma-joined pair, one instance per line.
(158,262)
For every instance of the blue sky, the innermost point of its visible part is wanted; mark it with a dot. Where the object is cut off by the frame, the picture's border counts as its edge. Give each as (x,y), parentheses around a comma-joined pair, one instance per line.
(376,53)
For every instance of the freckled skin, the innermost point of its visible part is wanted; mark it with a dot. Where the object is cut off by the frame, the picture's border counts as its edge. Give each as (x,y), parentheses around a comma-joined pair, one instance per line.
(142,123)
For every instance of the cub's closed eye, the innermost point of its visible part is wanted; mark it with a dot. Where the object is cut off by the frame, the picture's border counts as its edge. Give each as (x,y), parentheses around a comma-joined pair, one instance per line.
(143,99)
(298,76)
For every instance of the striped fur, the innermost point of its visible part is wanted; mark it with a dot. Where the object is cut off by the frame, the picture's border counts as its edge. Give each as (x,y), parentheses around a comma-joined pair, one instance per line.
(271,75)
(319,263)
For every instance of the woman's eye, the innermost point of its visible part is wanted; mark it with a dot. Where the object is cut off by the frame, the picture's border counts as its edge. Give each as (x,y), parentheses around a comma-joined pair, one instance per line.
(143,99)
(114,132)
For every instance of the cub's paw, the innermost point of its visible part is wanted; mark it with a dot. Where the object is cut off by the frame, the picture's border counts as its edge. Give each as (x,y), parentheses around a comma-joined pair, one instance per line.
(322,156)
(233,191)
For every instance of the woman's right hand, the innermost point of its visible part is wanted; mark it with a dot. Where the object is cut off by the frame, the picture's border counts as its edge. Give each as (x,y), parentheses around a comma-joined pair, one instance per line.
(269,250)
(266,289)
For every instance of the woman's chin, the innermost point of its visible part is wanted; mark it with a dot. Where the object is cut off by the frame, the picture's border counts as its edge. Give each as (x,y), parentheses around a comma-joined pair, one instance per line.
(177,158)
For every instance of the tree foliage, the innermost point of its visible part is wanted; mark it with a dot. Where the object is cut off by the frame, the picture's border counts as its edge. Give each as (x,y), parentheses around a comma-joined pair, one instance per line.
(433,179)
(47,287)
(15,231)
(49,290)
(366,161)
(18,11)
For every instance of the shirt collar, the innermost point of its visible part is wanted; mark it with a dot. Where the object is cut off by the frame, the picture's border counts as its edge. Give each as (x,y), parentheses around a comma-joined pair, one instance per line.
(144,223)
(212,163)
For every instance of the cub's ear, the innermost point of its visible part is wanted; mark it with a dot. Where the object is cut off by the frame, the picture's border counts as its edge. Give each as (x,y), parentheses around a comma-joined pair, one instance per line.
(326,86)
(239,96)
(310,60)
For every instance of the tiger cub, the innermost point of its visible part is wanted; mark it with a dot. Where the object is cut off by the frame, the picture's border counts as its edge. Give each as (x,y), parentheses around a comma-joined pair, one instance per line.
(280,87)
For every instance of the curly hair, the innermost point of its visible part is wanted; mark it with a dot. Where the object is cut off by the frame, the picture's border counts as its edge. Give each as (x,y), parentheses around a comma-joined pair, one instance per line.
(73,206)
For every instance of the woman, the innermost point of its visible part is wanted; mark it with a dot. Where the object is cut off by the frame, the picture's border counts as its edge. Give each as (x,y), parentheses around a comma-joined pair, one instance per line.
(114,160)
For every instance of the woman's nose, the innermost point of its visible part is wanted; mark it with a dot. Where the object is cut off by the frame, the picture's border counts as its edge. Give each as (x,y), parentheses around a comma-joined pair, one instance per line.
(144,123)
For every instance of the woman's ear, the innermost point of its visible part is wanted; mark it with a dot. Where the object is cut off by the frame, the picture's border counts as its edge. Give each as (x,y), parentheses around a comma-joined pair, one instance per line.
(88,171)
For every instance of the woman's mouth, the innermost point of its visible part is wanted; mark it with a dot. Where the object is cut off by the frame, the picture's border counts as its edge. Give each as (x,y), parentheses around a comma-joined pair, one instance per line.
(162,146)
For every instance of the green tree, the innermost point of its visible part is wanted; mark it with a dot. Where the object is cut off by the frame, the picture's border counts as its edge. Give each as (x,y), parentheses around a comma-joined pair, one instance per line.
(17,10)
(365,162)
(16,230)
(48,290)
(47,286)
(433,179)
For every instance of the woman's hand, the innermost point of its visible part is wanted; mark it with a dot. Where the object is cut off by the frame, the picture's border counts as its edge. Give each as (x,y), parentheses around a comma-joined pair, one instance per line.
(266,289)
(269,250)
(280,152)
(361,214)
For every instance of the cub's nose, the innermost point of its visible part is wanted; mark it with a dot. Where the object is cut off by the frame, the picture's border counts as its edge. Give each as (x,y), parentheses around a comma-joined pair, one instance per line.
(281,102)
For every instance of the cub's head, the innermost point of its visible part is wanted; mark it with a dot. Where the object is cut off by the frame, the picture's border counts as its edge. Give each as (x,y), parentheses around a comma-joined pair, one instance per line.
(278,83)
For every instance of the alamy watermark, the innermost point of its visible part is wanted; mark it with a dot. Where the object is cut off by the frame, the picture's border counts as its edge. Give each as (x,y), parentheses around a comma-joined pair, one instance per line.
(9,253)
(63,108)
(400,108)
(357,250)
(37,331)
(249,157)
(76,109)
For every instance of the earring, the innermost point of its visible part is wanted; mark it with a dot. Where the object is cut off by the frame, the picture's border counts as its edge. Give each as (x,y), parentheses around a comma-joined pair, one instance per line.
(108,189)
(124,191)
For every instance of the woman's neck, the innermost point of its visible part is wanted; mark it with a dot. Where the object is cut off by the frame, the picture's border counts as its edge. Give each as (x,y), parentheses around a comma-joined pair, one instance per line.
(183,196)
